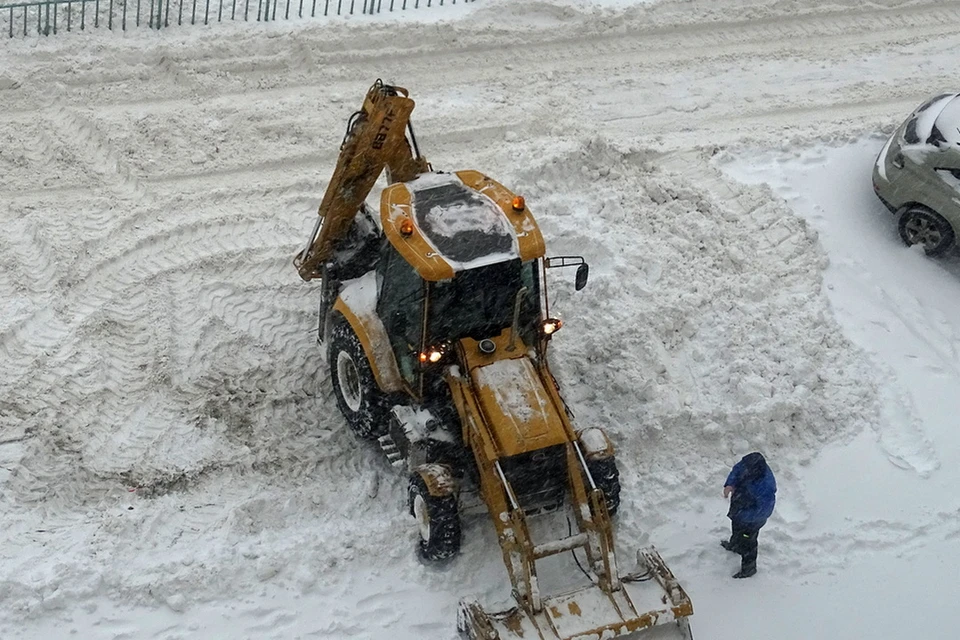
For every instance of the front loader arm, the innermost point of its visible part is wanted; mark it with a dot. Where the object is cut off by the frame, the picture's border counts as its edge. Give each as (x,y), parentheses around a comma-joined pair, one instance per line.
(375,141)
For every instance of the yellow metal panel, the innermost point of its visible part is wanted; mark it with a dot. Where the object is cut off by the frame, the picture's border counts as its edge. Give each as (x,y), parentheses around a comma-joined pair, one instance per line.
(475,434)
(554,391)
(373,338)
(394,209)
(529,239)
(376,139)
(517,408)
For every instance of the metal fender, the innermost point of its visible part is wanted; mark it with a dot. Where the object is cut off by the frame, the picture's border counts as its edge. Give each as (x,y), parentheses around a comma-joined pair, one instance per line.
(438,478)
(376,345)
(595,444)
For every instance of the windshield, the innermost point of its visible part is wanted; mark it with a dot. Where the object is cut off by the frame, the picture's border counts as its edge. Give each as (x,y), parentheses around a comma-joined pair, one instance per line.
(478,303)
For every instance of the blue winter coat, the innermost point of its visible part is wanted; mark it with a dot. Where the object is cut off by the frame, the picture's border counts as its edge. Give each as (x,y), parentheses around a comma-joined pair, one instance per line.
(754,491)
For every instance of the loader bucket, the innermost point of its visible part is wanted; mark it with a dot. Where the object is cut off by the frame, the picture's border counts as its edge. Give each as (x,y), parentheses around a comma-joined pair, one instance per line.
(650,597)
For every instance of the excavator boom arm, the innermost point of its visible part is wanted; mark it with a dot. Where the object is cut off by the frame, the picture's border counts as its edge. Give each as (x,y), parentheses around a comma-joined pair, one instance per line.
(375,140)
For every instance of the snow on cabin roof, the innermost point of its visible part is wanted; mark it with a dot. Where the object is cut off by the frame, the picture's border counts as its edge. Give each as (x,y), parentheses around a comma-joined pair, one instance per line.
(464,226)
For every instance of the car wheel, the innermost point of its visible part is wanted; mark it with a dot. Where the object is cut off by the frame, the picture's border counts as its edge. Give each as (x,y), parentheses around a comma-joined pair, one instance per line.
(358,397)
(919,225)
(607,478)
(438,520)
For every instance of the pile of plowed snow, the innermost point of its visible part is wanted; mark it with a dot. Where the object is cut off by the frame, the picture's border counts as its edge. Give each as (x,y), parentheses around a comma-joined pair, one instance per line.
(180,438)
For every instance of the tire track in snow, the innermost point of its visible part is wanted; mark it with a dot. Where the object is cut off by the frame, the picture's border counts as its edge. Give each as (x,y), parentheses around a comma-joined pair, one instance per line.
(845,30)
(111,292)
(88,143)
(647,51)
(633,56)
(110,279)
(31,157)
(861,540)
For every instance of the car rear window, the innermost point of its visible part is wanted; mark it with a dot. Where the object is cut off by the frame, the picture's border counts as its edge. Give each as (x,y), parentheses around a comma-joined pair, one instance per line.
(920,126)
(948,122)
(926,105)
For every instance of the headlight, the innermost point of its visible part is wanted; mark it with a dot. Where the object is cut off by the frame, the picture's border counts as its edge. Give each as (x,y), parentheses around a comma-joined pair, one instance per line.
(550,326)
(434,354)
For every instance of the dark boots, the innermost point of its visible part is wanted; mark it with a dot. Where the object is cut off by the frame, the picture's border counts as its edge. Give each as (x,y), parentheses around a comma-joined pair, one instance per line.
(743,541)
(747,568)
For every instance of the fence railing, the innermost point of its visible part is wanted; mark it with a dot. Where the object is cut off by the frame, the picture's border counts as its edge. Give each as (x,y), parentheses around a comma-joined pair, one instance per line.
(48,17)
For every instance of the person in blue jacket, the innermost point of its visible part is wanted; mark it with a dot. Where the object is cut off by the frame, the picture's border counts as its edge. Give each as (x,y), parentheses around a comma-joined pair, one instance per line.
(754,493)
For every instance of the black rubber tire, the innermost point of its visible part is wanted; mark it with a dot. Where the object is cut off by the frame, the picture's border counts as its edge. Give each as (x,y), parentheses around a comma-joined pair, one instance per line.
(607,478)
(360,401)
(917,223)
(443,538)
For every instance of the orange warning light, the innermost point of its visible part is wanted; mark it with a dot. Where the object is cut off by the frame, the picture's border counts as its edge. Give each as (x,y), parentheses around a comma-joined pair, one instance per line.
(519,204)
(406,227)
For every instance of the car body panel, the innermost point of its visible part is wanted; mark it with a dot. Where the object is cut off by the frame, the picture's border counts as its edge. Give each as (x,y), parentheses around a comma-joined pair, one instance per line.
(920,163)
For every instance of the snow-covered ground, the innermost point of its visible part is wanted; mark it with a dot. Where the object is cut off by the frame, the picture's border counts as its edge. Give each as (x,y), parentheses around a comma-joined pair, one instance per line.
(881,507)
(172,464)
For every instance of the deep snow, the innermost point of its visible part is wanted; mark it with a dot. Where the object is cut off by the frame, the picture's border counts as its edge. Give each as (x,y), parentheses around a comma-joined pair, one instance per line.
(172,462)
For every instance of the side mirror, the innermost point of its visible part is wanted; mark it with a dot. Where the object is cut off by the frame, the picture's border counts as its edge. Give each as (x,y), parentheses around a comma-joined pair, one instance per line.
(582,272)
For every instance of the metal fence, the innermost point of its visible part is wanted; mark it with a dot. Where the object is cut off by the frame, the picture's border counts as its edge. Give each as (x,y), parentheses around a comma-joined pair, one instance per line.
(48,17)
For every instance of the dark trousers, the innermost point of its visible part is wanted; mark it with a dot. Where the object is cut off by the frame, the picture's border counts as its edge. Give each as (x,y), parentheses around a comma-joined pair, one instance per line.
(743,540)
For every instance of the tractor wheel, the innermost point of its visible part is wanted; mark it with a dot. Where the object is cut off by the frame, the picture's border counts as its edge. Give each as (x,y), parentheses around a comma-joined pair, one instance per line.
(438,519)
(919,225)
(607,478)
(358,397)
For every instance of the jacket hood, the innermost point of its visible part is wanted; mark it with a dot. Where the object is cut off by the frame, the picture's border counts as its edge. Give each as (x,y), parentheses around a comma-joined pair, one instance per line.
(755,464)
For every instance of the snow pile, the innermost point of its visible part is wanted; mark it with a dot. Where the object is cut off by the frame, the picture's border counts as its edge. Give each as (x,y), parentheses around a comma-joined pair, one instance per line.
(872,521)
(702,334)
(199,386)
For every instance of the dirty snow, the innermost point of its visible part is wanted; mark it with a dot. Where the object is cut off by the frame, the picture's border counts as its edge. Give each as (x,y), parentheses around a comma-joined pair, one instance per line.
(171,458)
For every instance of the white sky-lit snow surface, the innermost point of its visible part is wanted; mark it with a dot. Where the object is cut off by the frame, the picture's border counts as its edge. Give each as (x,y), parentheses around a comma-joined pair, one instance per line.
(172,464)
(885,499)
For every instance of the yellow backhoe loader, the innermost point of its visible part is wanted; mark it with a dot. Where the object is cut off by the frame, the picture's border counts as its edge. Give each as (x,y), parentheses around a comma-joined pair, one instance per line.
(436,321)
